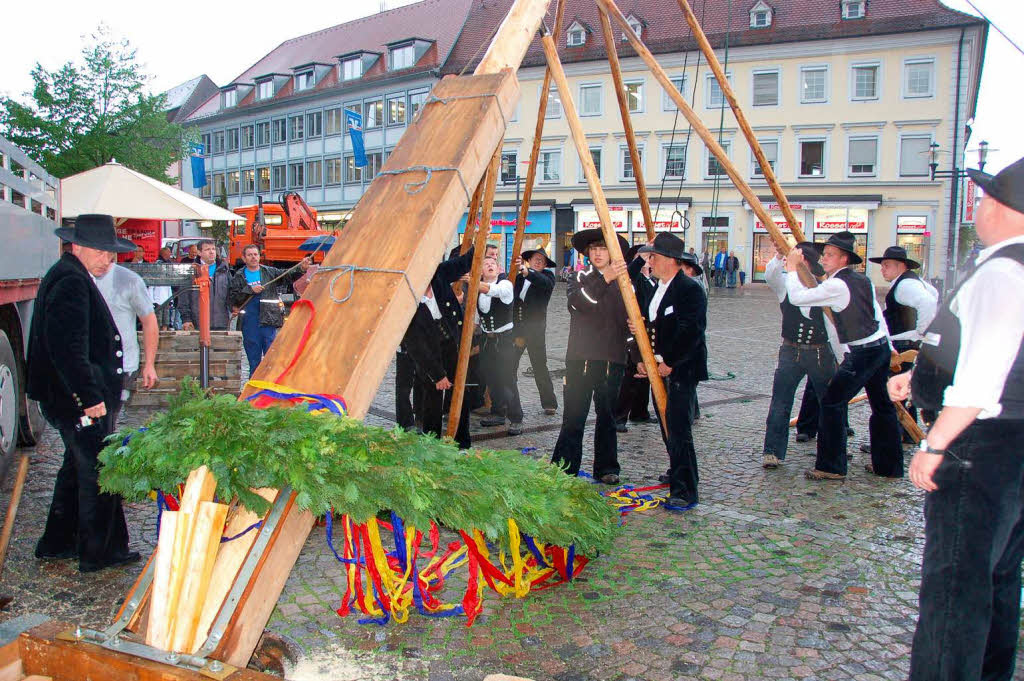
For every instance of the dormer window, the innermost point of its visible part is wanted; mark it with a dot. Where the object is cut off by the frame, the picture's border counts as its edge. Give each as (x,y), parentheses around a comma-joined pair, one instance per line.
(402,57)
(230,98)
(760,16)
(303,81)
(576,35)
(265,89)
(351,69)
(635,25)
(854,9)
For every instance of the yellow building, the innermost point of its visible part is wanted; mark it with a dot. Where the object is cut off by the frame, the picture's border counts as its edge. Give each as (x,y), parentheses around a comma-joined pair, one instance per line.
(846,98)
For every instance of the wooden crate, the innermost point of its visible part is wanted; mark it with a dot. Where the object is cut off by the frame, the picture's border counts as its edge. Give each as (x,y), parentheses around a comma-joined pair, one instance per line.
(177,357)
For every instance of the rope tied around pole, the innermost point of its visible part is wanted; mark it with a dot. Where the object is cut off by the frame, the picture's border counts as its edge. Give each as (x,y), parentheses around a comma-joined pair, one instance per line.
(434,99)
(417,187)
(351,270)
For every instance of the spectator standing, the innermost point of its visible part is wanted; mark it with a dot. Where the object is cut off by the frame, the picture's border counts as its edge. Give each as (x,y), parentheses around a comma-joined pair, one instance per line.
(732,268)
(220,280)
(720,261)
(162,296)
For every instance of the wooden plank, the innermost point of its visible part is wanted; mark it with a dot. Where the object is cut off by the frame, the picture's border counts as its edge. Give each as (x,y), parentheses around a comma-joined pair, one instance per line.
(202,552)
(12,507)
(161,623)
(175,371)
(610,237)
(44,654)
(513,37)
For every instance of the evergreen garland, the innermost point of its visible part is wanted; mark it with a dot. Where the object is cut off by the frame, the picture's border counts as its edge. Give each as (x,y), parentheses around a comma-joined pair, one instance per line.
(358,470)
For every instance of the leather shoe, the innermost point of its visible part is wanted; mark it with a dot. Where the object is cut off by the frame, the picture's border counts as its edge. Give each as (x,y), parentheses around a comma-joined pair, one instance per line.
(849,431)
(515,429)
(550,411)
(865,449)
(610,479)
(803,437)
(490,423)
(678,504)
(620,427)
(664,478)
(113,561)
(55,555)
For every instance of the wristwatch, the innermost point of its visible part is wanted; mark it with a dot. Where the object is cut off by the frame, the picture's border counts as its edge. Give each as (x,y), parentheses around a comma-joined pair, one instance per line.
(928,449)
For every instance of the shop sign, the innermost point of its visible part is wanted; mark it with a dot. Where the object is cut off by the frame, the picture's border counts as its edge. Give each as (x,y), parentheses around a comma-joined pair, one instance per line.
(840,227)
(912,225)
(660,225)
(781,224)
(970,198)
(794,206)
(596,224)
(507,223)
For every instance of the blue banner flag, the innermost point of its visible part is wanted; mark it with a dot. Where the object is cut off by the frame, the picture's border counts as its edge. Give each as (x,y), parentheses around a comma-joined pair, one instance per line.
(198,166)
(354,122)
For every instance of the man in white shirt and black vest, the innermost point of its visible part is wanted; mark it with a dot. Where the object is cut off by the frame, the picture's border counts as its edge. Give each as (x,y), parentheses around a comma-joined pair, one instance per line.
(497,351)
(860,325)
(910,306)
(595,358)
(533,289)
(971,368)
(809,348)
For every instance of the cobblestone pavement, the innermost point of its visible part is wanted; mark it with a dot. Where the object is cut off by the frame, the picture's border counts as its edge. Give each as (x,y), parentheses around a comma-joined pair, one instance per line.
(771,576)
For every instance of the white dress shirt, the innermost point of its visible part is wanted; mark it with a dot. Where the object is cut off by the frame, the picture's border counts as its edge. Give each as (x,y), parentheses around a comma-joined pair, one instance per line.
(526,287)
(659,293)
(775,276)
(833,293)
(991,316)
(431,304)
(503,291)
(922,296)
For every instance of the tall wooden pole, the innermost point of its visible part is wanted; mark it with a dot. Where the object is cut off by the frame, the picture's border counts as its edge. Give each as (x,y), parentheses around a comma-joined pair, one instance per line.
(531,172)
(741,119)
(610,237)
(472,294)
(627,121)
(474,208)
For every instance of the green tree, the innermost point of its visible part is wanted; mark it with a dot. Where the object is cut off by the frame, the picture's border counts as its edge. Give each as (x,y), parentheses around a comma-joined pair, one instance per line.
(218,230)
(83,115)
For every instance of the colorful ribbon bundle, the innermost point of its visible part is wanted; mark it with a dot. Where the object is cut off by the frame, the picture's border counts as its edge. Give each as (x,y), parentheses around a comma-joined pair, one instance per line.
(628,499)
(387,584)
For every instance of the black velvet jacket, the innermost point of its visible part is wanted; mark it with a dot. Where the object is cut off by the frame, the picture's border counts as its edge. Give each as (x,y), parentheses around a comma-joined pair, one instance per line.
(74,351)
(530,315)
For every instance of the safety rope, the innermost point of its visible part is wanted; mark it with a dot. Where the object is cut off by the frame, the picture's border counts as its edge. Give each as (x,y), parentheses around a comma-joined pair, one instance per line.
(716,192)
(351,270)
(417,187)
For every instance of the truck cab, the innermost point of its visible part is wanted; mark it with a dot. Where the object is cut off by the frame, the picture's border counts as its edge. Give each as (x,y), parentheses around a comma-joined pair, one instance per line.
(284,226)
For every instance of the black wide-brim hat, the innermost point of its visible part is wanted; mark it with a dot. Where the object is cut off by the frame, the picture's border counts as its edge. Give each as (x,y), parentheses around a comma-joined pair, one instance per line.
(666,244)
(844,241)
(811,256)
(1006,186)
(548,262)
(691,260)
(897,253)
(631,253)
(581,240)
(95,231)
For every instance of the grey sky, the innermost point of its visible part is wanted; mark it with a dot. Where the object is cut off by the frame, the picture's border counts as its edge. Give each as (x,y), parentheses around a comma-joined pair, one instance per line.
(218,39)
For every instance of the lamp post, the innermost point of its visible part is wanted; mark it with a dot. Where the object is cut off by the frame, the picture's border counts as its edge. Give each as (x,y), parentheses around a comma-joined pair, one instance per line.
(955,174)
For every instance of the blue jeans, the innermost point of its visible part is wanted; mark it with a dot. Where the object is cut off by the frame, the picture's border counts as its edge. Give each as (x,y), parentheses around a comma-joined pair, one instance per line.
(731,278)
(866,368)
(256,340)
(974,542)
(819,365)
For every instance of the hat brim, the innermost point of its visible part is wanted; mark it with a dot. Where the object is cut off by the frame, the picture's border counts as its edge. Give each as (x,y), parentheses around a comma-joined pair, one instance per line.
(696,266)
(655,249)
(854,258)
(581,240)
(118,245)
(526,255)
(910,262)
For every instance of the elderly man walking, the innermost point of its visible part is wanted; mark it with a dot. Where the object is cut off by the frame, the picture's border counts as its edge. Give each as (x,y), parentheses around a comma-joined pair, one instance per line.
(75,372)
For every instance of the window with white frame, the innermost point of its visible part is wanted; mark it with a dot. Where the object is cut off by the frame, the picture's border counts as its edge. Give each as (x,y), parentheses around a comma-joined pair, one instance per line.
(667,103)
(550,161)
(332,170)
(554,107)
(314,173)
(402,57)
(351,68)
(760,18)
(280,126)
(766,88)
(626,171)
(296,174)
(248,137)
(218,142)
(812,158)
(373,114)
(595,156)
(715,99)
(396,110)
(263,179)
(353,173)
(771,153)
(334,121)
(713,168)
(296,128)
(314,124)
(280,174)
(231,140)
(813,84)
(634,95)
(635,25)
(591,95)
(918,78)
(230,98)
(575,36)
(914,150)
(854,9)
(509,166)
(416,101)
(232,180)
(263,133)
(863,157)
(265,89)
(675,161)
(303,81)
(864,81)
(248,180)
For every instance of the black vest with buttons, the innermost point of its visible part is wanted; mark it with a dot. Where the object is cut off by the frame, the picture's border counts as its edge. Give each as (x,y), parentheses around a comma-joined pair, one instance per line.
(796,328)
(857,320)
(899,317)
(936,363)
(499,314)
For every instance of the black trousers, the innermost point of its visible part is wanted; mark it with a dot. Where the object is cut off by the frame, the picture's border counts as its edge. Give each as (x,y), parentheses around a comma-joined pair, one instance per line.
(81,518)
(818,364)
(634,399)
(533,342)
(406,408)
(433,400)
(810,412)
(589,381)
(969,615)
(683,477)
(498,365)
(866,368)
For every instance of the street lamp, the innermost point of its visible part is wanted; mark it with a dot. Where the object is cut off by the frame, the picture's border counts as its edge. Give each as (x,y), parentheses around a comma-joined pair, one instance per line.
(933,161)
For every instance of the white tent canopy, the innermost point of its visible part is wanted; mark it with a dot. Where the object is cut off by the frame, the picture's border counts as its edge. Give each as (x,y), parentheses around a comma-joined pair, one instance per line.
(115,190)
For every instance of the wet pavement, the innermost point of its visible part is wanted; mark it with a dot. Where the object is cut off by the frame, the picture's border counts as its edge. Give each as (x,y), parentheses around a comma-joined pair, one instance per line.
(770,577)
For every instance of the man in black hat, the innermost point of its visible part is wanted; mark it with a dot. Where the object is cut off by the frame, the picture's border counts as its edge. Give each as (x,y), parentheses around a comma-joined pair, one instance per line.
(971,367)
(633,403)
(595,358)
(676,318)
(809,348)
(860,326)
(533,289)
(910,306)
(76,374)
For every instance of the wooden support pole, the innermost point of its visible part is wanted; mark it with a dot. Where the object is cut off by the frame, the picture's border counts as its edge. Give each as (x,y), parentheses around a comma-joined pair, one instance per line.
(627,121)
(531,171)
(474,208)
(12,507)
(741,119)
(472,293)
(610,237)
